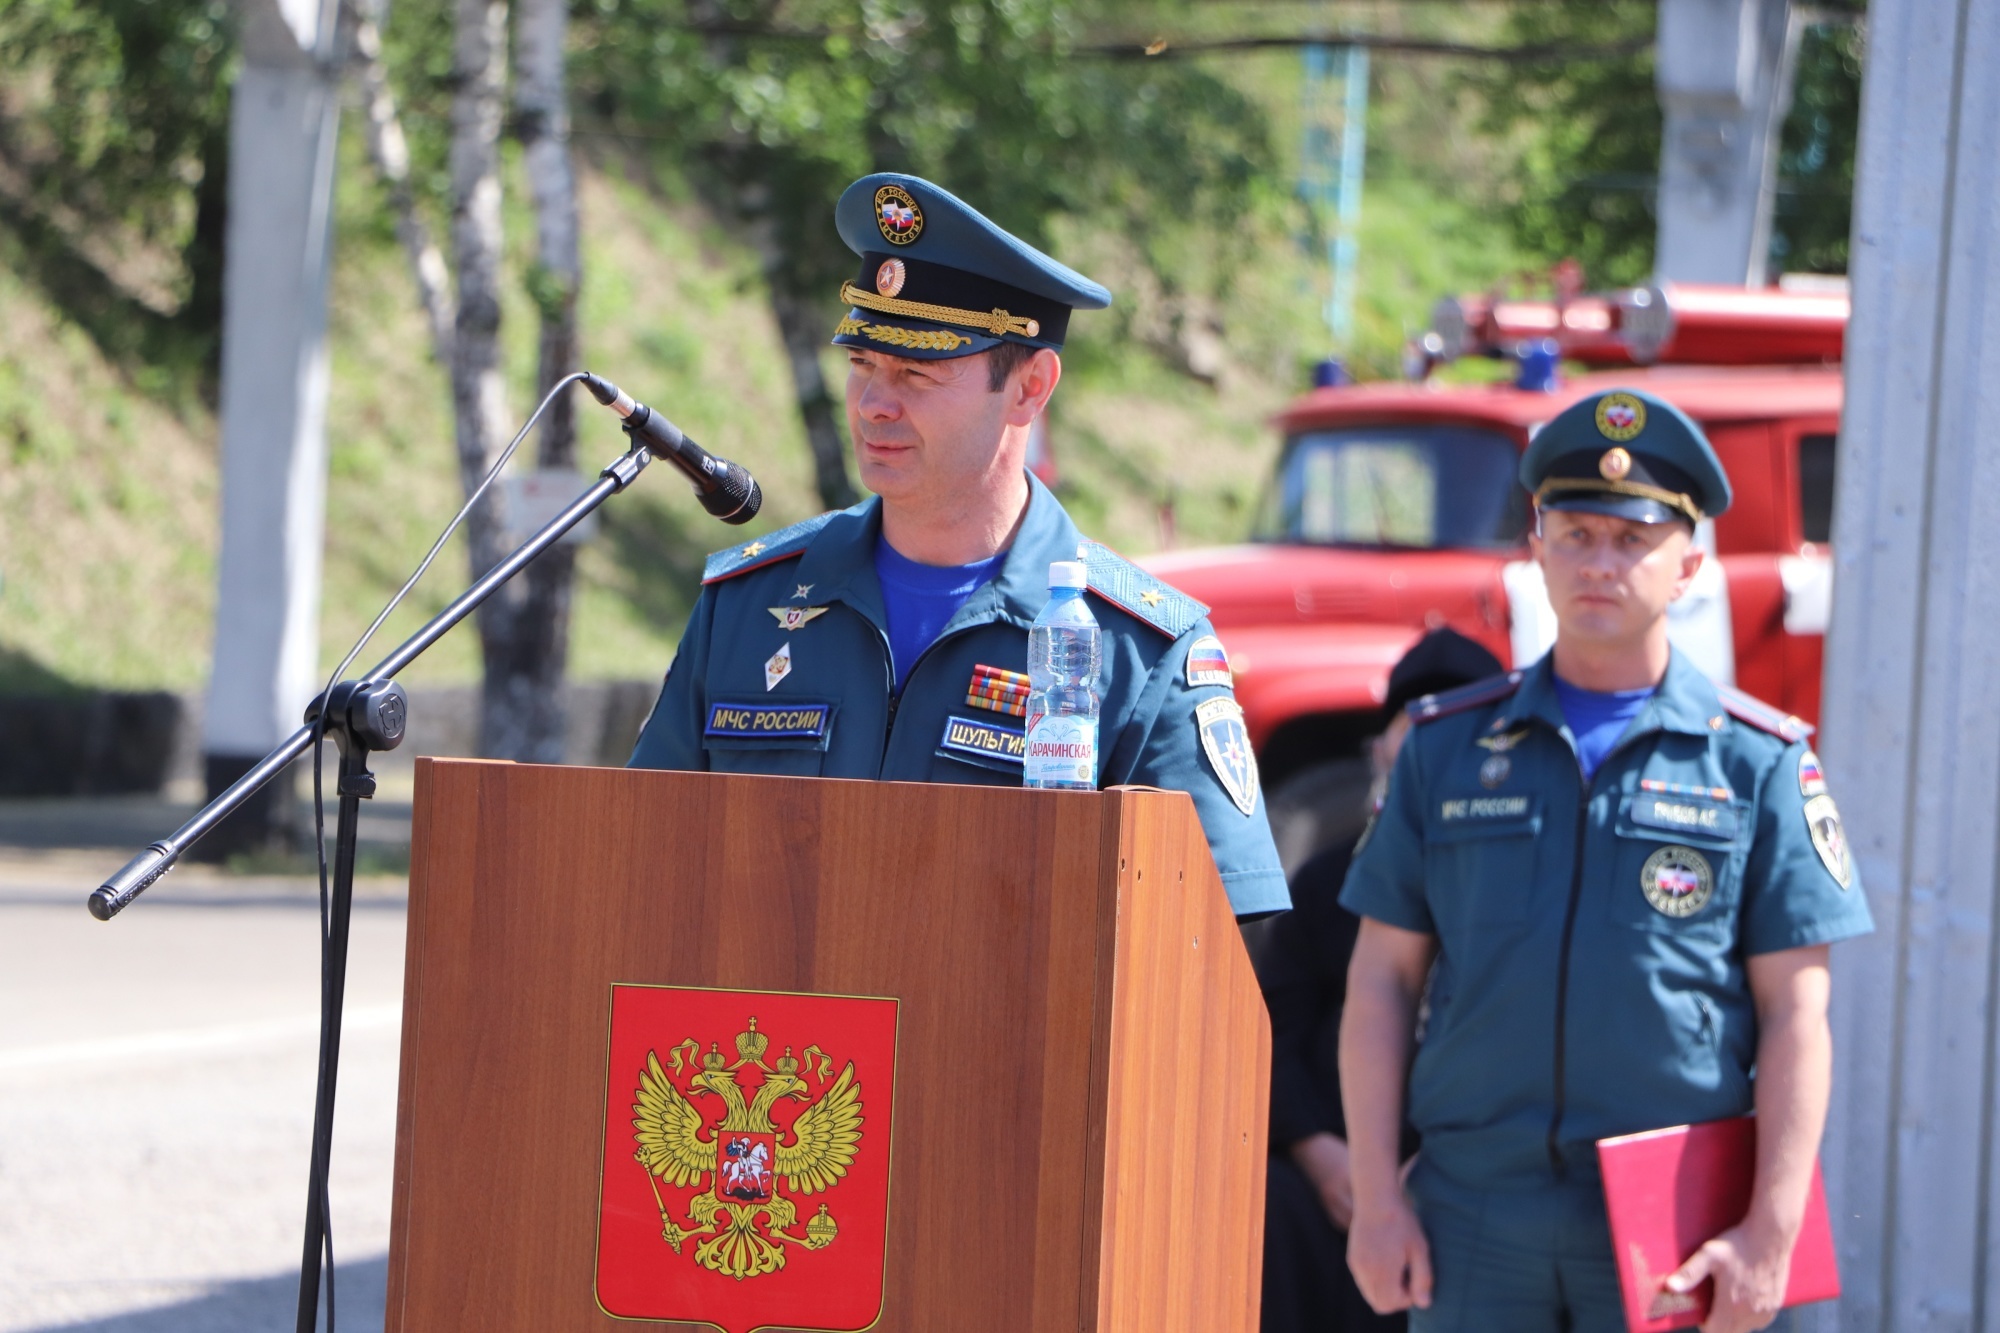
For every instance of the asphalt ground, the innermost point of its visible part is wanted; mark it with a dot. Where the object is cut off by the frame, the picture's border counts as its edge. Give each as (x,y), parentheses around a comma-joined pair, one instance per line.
(156,1085)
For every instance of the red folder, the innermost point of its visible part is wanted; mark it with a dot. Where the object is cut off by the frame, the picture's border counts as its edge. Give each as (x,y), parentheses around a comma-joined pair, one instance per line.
(1670,1190)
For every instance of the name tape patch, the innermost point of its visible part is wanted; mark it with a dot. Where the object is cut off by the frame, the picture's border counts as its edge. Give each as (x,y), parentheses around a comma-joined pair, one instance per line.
(772,721)
(1485,807)
(1684,814)
(989,740)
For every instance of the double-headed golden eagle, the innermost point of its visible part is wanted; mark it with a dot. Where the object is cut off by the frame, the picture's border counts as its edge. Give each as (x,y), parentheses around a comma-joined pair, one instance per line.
(824,1140)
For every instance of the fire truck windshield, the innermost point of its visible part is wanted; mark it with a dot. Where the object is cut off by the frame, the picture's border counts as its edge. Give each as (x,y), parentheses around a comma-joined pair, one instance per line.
(1401,486)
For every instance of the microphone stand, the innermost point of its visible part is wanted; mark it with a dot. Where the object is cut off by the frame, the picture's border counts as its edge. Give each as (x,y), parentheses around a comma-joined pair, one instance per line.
(361,716)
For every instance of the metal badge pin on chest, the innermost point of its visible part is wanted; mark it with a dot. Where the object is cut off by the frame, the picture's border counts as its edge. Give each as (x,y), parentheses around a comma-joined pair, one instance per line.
(791,617)
(779,667)
(1495,770)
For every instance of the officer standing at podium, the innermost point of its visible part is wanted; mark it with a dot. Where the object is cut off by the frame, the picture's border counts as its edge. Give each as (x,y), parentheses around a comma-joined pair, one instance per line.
(889,640)
(1616,883)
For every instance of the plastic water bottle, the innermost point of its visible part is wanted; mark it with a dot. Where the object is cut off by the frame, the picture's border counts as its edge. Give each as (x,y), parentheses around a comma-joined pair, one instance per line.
(1063,657)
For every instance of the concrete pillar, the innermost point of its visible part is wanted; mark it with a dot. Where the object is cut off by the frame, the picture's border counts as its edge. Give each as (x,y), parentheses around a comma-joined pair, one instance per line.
(284,116)
(1911,737)
(1724,73)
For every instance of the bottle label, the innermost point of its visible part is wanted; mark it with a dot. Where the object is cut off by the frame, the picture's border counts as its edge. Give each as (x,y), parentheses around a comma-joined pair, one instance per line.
(1062,751)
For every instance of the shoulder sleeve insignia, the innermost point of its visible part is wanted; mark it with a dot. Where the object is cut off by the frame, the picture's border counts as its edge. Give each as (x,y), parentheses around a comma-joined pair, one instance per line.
(1138,594)
(1829,839)
(769,549)
(1434,706)
(1226,742)
(1754,711)
(1208,663)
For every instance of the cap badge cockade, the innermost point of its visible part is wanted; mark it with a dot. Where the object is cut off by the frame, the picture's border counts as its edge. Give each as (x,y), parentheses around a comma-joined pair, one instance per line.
(889,278)
(1620,416)
(898,216)
(1615,464)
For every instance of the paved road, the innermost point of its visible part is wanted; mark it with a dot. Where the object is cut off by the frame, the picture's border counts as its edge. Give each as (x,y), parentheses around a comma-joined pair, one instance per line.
(156,1079)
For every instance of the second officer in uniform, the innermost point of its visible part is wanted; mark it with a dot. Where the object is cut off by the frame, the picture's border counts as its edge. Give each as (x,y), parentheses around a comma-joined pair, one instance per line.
(1627,879)
(890,640)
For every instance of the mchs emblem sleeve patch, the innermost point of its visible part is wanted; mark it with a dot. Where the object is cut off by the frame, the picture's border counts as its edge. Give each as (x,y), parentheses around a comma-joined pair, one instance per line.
(746,1158)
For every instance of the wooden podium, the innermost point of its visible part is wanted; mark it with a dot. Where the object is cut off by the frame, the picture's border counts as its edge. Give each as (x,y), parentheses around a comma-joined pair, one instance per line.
(1072,1135)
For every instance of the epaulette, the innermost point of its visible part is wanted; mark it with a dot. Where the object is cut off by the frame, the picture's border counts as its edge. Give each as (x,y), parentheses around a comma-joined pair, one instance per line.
(1431,707)
(1132,590)
(764,550)
(1749,708)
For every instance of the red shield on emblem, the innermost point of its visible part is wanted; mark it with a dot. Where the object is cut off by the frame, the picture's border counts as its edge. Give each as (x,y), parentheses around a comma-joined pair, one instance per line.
(746,1158)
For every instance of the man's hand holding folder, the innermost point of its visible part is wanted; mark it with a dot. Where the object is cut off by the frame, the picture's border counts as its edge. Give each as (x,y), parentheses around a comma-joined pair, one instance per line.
(1735,1203)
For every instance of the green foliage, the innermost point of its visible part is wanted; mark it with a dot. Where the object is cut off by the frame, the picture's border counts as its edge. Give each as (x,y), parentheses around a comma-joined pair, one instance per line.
(1816,156)
(116,113)
(774,113)
(1589,136)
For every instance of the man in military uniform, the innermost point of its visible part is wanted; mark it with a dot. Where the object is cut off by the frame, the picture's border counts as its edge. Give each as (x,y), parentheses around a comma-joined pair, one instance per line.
(890,640)
(1627,879)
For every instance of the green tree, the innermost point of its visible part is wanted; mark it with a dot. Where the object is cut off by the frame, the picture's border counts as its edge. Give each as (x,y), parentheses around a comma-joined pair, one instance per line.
(1589,138)
(1814,209)
(114,138)
(770,113)
(1589,135)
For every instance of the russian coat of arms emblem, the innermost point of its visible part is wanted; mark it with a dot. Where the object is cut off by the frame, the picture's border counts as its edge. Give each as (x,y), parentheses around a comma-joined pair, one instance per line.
(746,1158)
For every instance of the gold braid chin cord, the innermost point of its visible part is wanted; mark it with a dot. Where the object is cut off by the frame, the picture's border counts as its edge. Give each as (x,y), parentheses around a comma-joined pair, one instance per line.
(995,322)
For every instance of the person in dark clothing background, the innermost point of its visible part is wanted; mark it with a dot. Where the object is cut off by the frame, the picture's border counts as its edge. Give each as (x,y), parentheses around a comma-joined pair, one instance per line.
(1301,962)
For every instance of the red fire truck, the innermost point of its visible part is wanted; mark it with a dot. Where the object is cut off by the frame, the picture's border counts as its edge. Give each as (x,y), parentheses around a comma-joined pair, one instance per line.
(1395,508)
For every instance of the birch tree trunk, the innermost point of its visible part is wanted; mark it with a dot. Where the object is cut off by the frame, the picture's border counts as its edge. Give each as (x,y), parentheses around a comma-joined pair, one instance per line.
(805,327)
(794,250)
(522,713)
(479,66)
(390,153)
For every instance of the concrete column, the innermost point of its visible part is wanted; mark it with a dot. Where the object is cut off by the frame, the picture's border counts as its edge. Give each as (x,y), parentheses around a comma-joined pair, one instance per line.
(284,116)
(1911,736)
(1724,73)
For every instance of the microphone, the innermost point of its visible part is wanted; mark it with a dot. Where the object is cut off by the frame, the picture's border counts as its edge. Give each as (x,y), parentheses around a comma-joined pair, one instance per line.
(725,489)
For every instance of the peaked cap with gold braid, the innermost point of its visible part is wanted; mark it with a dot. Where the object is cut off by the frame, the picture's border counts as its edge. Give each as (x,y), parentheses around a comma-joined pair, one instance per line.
(1627,454)
(939,280)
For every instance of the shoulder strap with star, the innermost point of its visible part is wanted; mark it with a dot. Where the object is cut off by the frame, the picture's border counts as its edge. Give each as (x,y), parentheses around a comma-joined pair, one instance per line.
(1431,707)
(764,550)
(1749,708)
(1134,591)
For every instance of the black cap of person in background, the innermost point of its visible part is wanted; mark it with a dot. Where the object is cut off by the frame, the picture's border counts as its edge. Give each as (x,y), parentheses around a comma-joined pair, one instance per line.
(1442,660)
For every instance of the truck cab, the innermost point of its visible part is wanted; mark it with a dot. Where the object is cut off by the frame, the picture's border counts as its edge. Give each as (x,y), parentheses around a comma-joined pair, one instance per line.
(1394,509)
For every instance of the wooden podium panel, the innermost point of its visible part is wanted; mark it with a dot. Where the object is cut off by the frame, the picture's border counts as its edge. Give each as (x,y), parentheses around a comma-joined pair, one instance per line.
(1081,1053)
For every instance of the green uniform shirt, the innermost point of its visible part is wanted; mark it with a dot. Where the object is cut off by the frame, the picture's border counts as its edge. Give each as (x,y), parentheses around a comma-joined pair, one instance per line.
(785,669)
(1592,935)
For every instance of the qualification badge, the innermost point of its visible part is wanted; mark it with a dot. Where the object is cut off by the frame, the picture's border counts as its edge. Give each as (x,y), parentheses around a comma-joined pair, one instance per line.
(1226,742)
(779,667)
(1497,766)
(745,1178)
(1677,881)
(791,617)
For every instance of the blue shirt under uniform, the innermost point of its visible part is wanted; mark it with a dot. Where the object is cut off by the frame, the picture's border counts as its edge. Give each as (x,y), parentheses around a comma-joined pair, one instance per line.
(1597,718)
(918,600)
